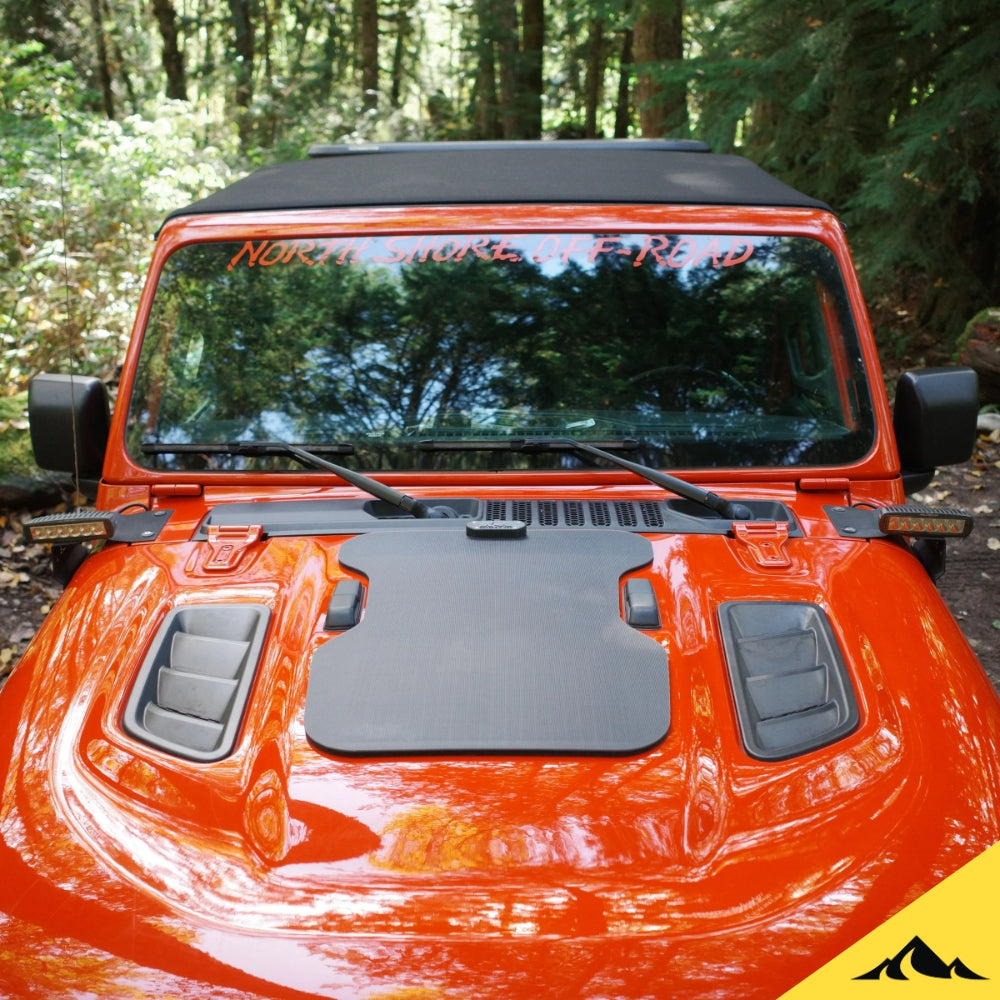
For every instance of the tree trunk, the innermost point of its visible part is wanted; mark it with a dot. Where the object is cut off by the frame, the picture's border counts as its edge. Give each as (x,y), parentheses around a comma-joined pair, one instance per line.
(121,65)
(367,14)
(271,119)
(594,77)
(487,112)
(244,34)
(659,39)
(102,68)
(173,58)
(531,75)
(623,106)
(334,48)
(980,349)
(508,49)
(404,34)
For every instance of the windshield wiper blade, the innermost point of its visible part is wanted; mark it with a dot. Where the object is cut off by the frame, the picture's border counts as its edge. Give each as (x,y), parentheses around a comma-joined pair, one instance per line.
(730,509)
(504,444)
(310,458)
(254,449)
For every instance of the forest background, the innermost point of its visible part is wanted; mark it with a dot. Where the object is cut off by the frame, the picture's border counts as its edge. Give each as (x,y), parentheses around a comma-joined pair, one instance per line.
(112,112)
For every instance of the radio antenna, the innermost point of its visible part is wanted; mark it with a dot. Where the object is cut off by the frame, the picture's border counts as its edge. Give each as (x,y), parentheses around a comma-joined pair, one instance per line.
(69,322)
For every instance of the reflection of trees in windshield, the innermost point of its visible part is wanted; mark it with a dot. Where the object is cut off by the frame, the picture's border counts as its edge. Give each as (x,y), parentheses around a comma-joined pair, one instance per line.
(624,338)
(406,348)
(382,350)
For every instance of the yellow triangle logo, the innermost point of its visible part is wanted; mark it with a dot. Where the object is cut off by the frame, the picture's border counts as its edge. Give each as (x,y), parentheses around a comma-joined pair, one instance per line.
(943,945)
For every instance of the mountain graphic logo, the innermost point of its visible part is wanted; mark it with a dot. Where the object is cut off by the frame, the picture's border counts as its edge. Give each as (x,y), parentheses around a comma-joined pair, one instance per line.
(919,959)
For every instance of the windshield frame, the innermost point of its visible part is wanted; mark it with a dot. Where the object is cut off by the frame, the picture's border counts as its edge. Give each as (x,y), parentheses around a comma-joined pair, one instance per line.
(567,219)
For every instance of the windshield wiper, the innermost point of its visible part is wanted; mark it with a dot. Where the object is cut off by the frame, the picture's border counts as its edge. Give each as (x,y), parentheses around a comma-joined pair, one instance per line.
(310,459)
(255,449)
(730,509)
(417,508)
(504,444)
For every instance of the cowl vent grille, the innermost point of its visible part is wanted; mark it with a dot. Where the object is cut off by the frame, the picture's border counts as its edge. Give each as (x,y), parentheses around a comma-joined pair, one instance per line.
(791,687)
(644,516)
(192,687)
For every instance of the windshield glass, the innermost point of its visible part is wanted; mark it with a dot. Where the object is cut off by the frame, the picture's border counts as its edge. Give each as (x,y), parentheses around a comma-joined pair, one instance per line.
(436,351)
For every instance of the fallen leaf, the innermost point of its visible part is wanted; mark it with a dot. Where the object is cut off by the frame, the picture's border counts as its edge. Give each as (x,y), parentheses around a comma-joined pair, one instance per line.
(22,634)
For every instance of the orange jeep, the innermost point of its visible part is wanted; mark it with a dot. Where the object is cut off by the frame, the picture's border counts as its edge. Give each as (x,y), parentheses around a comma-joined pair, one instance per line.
(500,584)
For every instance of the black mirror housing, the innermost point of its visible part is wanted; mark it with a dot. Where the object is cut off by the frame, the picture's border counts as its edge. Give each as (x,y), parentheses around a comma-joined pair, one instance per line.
(934,421)
(57,404)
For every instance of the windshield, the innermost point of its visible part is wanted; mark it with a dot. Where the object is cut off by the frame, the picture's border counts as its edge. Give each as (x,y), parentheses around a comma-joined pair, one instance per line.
(436,351)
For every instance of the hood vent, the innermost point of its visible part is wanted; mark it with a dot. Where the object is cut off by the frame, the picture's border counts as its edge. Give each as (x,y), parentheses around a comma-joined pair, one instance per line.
(193,684)
(792,690)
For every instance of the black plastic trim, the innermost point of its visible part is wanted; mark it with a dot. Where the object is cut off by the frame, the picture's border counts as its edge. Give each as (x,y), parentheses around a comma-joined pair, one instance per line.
(344,609)
(863,522)
(641,610)
(69,416)
(335,517)
(791,686)
(189,696)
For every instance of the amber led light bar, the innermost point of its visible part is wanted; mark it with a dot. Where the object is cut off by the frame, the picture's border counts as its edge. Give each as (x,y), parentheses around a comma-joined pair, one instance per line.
(74,526)
(921,521)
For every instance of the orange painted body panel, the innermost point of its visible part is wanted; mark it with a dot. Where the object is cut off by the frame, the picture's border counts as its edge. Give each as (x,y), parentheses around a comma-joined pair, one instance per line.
(688,870)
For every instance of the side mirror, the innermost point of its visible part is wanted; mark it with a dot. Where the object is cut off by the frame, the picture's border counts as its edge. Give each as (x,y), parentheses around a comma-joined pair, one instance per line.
(56,405)
(934,420)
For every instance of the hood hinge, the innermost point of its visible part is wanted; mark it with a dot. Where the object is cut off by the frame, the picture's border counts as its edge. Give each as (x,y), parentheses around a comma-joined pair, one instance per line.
(227,544)
(766,542)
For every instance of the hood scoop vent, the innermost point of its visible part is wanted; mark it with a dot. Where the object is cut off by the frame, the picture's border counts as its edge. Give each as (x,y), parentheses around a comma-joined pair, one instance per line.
(192,687)
(792,690)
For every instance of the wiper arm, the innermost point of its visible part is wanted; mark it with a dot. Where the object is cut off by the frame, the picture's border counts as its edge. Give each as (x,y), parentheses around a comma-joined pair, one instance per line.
(378,490)
(730,509)
(309,458)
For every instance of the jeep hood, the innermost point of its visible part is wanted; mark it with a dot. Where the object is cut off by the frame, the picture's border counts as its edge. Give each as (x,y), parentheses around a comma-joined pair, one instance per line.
(469,775)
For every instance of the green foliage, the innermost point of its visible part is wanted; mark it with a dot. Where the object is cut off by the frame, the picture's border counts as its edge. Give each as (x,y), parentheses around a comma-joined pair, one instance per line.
(81,199)
(930,195)
(15,444)
(886,109)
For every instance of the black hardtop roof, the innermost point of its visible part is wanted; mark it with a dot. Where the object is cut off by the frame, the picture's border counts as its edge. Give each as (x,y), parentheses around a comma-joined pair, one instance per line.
(528,172)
